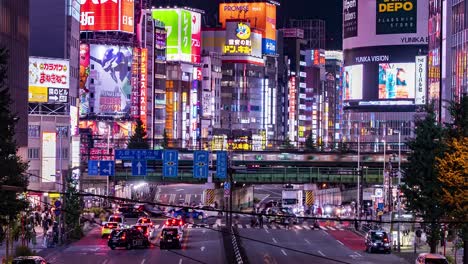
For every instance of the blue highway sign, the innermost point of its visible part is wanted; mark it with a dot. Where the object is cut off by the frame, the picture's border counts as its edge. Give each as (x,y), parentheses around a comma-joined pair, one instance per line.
(107,168)
(200,164)
(138,154)
(170,163)
(93,167)
(139,167)
(221,164)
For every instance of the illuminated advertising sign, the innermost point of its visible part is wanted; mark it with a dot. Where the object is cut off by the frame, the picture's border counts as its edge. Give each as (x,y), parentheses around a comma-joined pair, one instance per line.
(107,15)
(196,37)
(48,158)
(261,16)
(396,17)
(110,79)
(371,23)
(396,80)
(292,104)
(352,82)
(293,33)
(237,39)
(48,80)
(74,120)
(135,97)
(350,18)
(268,46)
(421,80)
(84,80)
(315,57)
(143,85)
(183,29)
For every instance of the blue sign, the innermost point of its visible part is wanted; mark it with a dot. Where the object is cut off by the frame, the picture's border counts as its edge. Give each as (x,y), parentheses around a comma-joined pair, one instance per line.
(200,163)
(93,167)
(138,154)
(107,168)
(58,203)
(268,46)
(57,212)
(170,163)
(227,186)
(139,167)
(221,164)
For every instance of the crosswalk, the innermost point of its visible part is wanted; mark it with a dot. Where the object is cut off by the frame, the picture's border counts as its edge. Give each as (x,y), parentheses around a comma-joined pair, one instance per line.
(265,226)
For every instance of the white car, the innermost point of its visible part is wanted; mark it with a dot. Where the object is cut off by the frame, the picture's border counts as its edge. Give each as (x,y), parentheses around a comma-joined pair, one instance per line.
(429,258)
(211,212)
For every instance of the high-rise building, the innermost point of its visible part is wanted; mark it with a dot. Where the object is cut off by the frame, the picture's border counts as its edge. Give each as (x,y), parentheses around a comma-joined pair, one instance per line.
(457,13)
(383,77)
(14,36)
(314,32)
(52,101)
(333,84)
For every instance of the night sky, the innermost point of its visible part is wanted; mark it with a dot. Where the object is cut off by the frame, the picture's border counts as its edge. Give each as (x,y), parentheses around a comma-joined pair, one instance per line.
(328,10)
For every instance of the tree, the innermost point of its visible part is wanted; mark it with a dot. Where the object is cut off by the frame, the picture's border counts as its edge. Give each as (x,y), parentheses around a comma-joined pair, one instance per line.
(165,142)
(72,209)
(453,169)
(310,143)
(422,188)
(287,144)
(12,167)
(138,140)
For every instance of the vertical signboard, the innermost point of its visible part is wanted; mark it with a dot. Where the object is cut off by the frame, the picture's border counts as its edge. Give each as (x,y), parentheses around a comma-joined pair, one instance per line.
(143,85)
(350,18)
(48,158)
(421,80)
(186,35)
(196,37)
(112,15)
(84,79)
(396,17)
(135,97)
(49,80)
(170,17)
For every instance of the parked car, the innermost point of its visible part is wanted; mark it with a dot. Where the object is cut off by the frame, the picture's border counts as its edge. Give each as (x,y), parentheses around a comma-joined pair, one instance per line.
(377,240)
(428,258)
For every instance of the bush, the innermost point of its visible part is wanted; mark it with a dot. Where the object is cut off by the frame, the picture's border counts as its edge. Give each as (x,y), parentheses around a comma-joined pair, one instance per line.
(23,251)
(450,259)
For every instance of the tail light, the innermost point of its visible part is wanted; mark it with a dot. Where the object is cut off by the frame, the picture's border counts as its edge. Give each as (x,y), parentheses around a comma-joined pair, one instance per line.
(124,237)
(161,237)
(385,240)
(167,222)
(173,221)
(180,222)
(178,236)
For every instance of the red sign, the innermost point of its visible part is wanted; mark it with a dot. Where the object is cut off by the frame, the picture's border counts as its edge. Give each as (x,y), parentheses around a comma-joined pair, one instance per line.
(135,97)
(143,85)
(107,15)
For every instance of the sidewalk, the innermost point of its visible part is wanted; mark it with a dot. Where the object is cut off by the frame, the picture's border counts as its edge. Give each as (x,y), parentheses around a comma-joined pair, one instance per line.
(37,247)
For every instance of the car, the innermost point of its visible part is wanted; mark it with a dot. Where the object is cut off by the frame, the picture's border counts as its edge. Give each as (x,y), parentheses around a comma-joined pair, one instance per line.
(428,258)
(145,220)
(209,211)
(171,237)
(117,218)
(128,238)
(29,260)
(187,213)
(174,223)
(107,228)
(153,211)
(280,214)
(145,229)
(377,240)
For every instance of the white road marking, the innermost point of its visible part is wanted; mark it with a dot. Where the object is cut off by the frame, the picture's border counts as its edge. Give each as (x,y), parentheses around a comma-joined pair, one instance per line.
(266,230)
(143,261)
(331,228)
(323,228)
(284,252)
(178,190)
(105,261)
(156,226)
(239,226)
(264,198)
(307,241)
(298,227)
(180,261)
(247,225)
(320,252)
(274,240)
(306,227)
(357,254)
(340,242)
(202,248)
(324,232)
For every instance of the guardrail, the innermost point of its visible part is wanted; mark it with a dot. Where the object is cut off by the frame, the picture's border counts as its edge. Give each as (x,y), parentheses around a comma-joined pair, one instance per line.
(265,175)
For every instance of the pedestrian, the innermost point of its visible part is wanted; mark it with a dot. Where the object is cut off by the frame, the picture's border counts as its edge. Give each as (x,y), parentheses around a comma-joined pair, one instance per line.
(286,223)
(45,226)
(418,237)
(291,222)
(38,219)
(260,220)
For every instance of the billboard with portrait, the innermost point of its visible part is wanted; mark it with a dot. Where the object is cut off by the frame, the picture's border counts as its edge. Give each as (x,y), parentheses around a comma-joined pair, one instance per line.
(84,81)
(49,80)
(109,80)
(112,15)
(352,82)
(396,80)
(183,29)
(370,23)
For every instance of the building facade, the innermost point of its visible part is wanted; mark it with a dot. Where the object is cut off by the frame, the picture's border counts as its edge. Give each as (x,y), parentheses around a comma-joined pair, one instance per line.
(314,32)
(333,82)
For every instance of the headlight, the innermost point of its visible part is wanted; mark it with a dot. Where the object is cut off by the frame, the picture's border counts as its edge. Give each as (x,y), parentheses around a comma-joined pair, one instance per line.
(374,244)
(386,244)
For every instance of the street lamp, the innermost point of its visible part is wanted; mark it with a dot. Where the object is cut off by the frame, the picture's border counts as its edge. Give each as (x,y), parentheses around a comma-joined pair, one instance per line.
(398,188)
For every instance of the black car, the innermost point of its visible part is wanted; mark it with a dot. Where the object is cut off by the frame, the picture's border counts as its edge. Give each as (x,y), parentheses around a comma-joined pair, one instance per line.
(128,212)
(377,240)
(128,238)
(170,238)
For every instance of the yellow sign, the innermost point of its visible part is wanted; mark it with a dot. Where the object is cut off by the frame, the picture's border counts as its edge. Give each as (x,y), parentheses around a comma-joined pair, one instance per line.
(237,49)
(243,31)
(38,94)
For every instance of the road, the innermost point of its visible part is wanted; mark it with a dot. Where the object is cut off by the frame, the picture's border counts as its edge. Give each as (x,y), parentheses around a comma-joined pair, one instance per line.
(200,246)
(179,193)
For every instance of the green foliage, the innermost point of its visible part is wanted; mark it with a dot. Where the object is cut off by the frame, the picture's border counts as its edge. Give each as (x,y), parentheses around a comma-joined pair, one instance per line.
(11,165)
(287,144)
(310,143)
(422,187)
(72,209)
(138,140)
(459,113)
(23,251)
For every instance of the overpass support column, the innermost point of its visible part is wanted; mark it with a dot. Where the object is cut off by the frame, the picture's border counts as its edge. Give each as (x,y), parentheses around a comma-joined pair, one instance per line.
(209,194)
(309,196)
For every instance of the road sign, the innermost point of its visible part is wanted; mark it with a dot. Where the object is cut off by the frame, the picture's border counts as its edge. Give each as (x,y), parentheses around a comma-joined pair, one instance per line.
(57,203)
(200,164)
(93,167)
(139,167)
(57,211)
(107,168)
(227,189)
(221,164)
(138,154)
(170,163)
